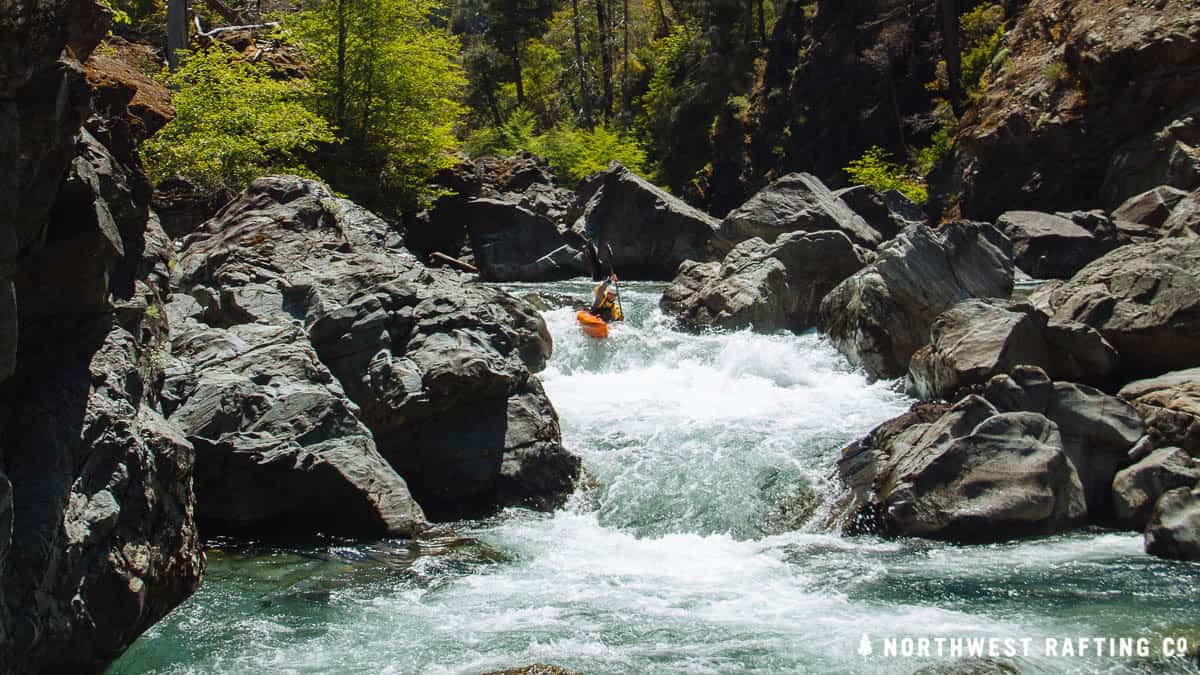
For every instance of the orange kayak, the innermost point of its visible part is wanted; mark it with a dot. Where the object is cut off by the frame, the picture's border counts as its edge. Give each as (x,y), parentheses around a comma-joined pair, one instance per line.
(592,324)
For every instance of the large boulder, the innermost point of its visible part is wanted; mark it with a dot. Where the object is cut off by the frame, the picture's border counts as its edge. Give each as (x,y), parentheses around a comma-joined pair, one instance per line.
(1174,528)
(1049,246)
(1170,407)
(1151,207)
(979,338)
(512,243)
(1025,456)
(770,287)
(1137,488)
(650,232)
(439,370)
(880,316)
(1144,299)
(888,212)
(967,473)
(797,202)
(1184,220)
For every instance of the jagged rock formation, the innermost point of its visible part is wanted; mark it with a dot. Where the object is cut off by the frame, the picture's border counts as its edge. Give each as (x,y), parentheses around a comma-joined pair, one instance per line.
(798,202)
(880,316)
(1097,102)
(1050,246)
(770,287)
(438,370)
(97,535)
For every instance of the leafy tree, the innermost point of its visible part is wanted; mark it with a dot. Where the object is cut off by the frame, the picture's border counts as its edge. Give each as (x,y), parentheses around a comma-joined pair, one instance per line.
(876,168)
(233,123)
(389,79)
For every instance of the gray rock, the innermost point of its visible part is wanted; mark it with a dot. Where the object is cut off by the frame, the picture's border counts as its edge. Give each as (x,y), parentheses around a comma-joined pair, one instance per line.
(512,243)
(797,202)
(1144,299)
(880,316)
(1151,207)
(1170,407)
(1174,528)
(888,212)
(767,286)
(650,232)
(1184,220)
(1136,489)
(431,364)
(978,338)
(967,473)
(1048,246)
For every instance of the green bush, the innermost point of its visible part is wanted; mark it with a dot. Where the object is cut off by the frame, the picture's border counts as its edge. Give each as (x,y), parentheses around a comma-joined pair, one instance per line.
(233,123)
(876,168)
(982,30)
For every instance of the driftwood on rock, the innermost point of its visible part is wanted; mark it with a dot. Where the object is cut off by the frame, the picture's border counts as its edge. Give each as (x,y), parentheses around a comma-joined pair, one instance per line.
(438,256)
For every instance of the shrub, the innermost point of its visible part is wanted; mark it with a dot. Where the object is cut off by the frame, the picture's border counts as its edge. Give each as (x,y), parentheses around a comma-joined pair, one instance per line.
(876,168)
(233,123)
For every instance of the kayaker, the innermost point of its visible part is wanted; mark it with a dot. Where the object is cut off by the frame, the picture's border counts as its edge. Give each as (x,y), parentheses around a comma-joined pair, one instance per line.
(604,300)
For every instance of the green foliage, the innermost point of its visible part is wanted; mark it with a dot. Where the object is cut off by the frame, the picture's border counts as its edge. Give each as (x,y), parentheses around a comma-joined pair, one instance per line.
(233,123)
(1056,71)
(982,32)
(573,152)
(876,168)
(394,96)
(924,159)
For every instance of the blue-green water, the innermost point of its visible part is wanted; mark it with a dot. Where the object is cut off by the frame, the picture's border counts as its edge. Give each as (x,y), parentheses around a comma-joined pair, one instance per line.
(687,551)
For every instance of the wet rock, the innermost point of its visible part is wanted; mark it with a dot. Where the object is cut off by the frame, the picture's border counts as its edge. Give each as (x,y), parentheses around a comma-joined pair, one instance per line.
(1170,407)
(1174,528)
(977,338)
(1137,489)
(880,316)
(650,232)
(770,287)
(1151,208)
(434,366)
(797,202)
(1144,299)
(1048,246)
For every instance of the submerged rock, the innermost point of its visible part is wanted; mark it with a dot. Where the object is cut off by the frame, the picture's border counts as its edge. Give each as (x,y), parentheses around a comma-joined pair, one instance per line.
(650,232)
(439,371)
(770,287)
(880,316)
(797,202)
(1144,299)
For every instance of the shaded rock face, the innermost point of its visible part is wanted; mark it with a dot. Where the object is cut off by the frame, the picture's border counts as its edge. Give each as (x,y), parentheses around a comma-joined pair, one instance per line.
(770,287)
(97,535)
(977,339)
(887,212)
(880,316)
(512,243)
(1184,220)
(1097,103)
(806,109)
(1048,246)
(1028,456)
(796,202)
(439,371)
(1151,208)
(1174,529)
(1144,299)
(1170,407)
(650,232)
(1136,490)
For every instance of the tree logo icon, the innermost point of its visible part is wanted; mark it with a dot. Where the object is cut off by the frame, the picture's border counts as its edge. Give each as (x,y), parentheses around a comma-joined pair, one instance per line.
(864,646)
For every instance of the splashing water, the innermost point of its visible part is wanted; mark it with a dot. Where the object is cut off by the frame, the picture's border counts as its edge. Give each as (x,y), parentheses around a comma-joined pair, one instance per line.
(686,551)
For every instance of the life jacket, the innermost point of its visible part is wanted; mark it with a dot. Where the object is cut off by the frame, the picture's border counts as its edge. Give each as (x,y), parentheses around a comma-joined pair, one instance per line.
(608,309)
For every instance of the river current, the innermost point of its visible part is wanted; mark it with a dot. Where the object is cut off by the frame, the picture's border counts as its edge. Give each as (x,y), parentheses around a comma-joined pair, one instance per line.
(691,547)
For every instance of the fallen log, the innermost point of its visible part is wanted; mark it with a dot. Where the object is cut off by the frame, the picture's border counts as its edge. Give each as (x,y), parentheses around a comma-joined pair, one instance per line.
(461,264)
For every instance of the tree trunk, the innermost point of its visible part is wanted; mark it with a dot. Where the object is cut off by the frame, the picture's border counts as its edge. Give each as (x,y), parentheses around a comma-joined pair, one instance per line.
(584,95)
(952,51)
(664,26)
(516,61)
(762,23)
(339,85)
(606,64)
(625,64)
(176,31)
(490,94)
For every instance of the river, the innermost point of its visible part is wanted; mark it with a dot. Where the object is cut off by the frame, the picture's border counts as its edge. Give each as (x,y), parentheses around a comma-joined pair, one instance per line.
(689,549)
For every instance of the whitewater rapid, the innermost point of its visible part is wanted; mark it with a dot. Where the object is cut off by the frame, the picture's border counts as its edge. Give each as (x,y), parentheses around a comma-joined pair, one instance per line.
(688,548)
